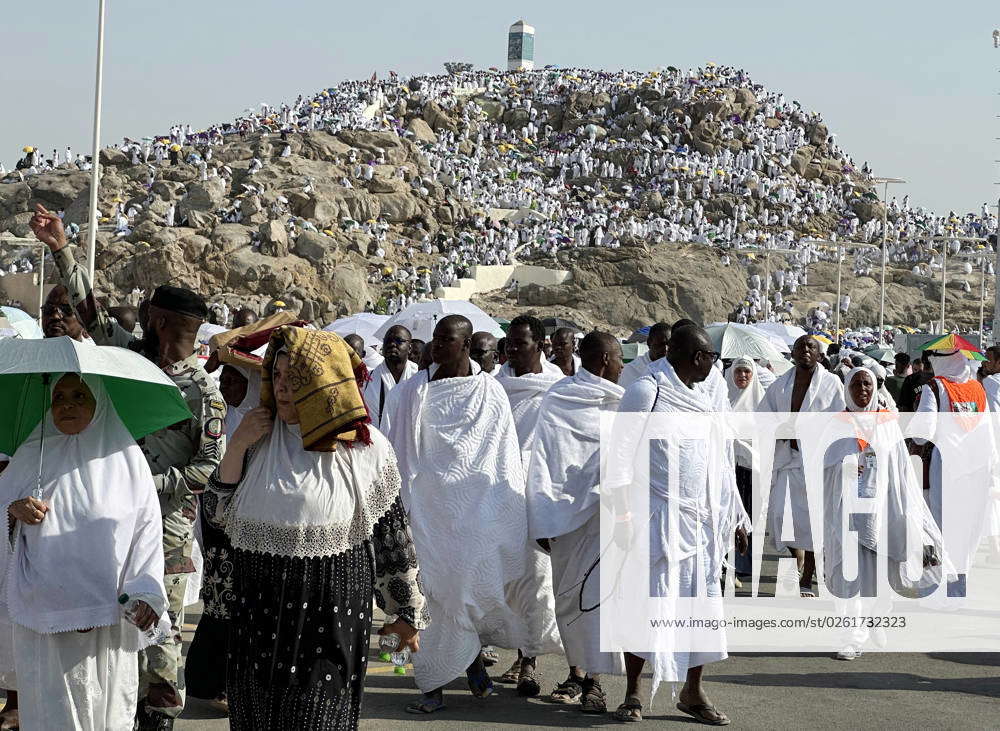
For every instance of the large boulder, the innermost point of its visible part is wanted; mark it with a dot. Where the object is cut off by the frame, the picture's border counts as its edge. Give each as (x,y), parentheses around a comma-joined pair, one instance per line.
(273,239)
(399,207)
(203,196)
(111,157)
(438,119)
(313,247)
(422,131)
(228,237)
(14,198)
(386,143)
(59,189)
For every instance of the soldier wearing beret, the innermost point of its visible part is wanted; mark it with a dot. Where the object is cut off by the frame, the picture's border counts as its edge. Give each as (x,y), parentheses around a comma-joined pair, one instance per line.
(181,457)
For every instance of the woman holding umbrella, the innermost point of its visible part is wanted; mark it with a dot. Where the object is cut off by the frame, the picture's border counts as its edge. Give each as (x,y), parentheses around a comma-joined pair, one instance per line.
(86,534)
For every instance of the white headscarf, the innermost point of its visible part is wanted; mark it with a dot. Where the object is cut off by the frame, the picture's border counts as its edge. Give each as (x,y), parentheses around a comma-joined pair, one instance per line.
(953,367)
(102,535)
(744,399)
(849,397)
(235,414)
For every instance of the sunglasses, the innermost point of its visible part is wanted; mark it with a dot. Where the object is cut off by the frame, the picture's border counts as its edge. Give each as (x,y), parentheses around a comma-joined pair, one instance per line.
(478,353)
(396,341)
(710,353)
(66,310)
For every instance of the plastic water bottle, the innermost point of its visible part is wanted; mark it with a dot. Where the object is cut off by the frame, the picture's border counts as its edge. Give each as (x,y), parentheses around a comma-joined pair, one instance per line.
(390,651)
(154,634)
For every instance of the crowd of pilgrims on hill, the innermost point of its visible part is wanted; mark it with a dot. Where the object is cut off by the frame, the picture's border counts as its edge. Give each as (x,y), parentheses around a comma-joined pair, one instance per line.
(587,186)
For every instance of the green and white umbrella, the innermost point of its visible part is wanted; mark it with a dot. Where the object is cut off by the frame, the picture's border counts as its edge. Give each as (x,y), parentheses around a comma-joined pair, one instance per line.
(144,397)
(733,340)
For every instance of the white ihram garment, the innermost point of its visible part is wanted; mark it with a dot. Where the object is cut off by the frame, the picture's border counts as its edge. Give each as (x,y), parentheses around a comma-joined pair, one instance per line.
(463,487)
(533,594)
(377,391)
(825,393)
(563,491)
(708,512)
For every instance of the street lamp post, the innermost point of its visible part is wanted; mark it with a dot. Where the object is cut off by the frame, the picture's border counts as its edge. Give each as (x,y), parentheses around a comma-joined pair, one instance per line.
(886,182)
(767,271)
(944,264)
(95,173)
(841,246)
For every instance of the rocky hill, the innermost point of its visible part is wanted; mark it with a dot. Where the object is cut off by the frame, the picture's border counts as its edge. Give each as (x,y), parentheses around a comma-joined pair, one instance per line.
(293,218)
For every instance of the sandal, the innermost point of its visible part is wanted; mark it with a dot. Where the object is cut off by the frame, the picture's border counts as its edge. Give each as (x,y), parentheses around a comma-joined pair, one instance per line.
(593,701)
(528,686)
(629,712)
(490,656)
(425,704)
(480,683)
(806,592)
(568,692)
(513,675)
(700,711)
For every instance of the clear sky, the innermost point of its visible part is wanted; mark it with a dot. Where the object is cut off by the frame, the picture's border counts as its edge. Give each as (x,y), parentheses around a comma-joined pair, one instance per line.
(909,85)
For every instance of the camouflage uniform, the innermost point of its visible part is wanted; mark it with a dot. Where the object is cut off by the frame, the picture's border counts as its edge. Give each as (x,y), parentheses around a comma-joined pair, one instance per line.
(181,458)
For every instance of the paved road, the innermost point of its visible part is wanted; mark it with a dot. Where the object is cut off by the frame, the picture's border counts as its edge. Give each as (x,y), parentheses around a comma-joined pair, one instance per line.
(757,691)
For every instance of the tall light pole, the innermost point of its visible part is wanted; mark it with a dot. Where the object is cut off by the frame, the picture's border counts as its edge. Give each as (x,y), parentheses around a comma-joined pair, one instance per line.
(841,246)
(767,270)
(944,263)
(886,182)
(95,173)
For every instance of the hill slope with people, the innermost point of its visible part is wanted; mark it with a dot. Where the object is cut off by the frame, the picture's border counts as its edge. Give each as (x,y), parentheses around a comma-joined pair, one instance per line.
(658,190)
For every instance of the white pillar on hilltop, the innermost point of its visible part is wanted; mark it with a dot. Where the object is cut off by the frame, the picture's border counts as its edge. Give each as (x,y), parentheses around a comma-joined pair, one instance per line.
(521,47)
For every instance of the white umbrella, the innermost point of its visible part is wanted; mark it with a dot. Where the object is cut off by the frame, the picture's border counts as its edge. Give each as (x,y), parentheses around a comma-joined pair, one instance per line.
(363,324)
(23,324)
(788,333)
(421,317)
(733,340)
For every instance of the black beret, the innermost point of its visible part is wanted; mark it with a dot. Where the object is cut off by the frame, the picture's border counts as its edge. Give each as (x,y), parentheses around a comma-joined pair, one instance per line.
(179,300)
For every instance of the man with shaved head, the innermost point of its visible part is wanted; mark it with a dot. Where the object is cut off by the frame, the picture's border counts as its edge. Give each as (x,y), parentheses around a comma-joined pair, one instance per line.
(806,387)
(656,342)
(563,494)
(484,352)
(676,384)
(395,369)
(463,486)
(563,345)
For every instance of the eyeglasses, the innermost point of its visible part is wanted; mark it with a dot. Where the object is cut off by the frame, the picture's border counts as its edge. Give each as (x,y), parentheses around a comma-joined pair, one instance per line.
(66,310)
(710,353)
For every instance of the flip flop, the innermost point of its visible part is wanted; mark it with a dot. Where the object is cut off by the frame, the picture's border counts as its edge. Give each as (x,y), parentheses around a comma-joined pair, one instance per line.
(425,705)
(699,710)
(629,712)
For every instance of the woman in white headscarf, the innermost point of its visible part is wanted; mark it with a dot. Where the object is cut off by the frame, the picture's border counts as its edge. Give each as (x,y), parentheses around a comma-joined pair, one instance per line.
(205,670)
(887,510)
(745,392)
(93,536)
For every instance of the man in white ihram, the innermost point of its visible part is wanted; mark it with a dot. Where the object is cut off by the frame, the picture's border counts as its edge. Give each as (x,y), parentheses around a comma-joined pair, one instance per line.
(563,494)
(707,511)
(463,487)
